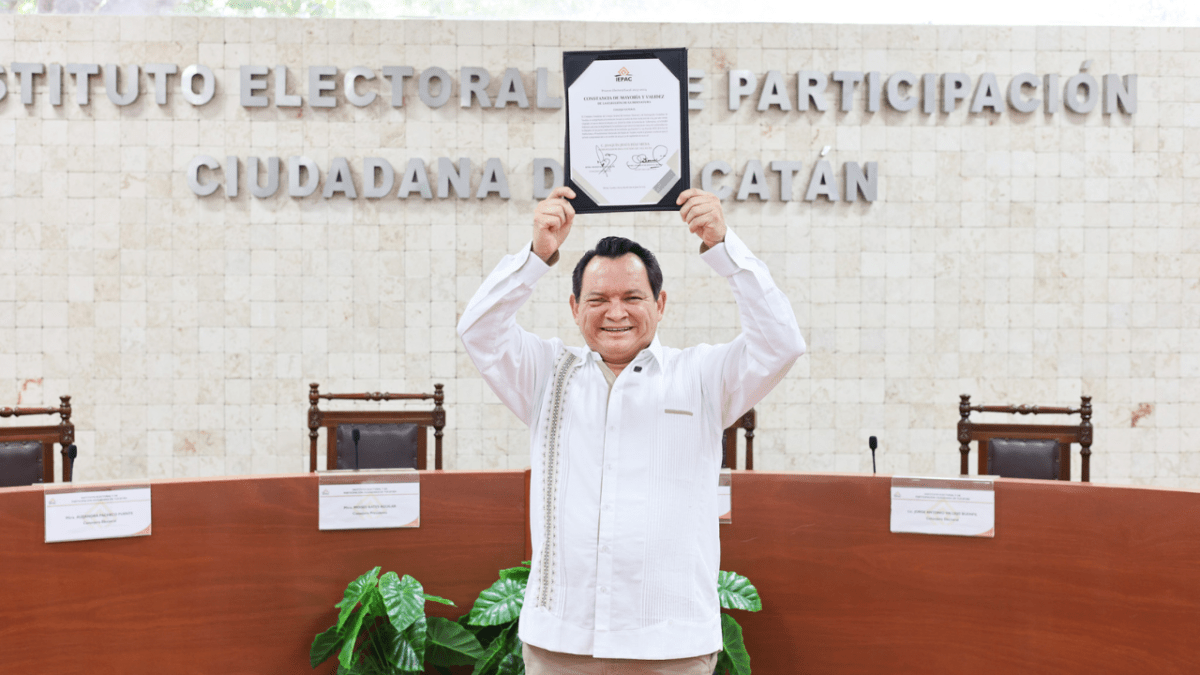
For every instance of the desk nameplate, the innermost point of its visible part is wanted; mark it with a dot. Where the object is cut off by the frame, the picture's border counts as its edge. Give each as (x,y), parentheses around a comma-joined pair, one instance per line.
(96,511)
(962,507)
(369,499)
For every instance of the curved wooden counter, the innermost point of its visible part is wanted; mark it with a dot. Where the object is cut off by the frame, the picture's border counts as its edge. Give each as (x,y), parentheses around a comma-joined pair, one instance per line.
(236,578)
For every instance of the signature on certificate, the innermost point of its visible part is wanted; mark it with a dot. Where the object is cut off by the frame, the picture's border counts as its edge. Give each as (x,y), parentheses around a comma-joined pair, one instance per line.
(606,161)
(641,162)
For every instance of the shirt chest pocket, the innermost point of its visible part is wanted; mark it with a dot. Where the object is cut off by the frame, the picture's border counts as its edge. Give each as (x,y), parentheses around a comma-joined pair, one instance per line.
(680,435)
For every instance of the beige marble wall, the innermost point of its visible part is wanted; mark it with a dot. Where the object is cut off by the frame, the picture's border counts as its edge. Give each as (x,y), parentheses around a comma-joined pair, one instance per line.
(1019,258)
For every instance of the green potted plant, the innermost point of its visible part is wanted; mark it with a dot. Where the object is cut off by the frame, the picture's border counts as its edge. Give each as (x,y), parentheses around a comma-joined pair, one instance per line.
(381,628)
(493,620)
(496,613)
(735,592)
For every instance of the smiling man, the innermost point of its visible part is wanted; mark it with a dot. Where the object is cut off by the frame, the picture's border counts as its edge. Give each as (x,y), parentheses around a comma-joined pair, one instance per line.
(626,442)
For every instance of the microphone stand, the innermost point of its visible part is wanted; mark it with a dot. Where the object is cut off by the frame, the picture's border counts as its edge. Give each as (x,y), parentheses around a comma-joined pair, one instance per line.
(355,434)
(874,444)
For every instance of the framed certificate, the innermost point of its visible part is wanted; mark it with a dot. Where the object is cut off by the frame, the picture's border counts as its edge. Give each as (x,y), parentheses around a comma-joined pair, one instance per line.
(627,129)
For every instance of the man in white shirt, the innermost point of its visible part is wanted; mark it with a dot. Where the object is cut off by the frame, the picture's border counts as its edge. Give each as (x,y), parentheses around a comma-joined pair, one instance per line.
(626,442)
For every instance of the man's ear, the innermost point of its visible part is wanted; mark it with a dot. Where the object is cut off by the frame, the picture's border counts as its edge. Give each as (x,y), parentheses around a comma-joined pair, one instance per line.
(574,307)
(662,302)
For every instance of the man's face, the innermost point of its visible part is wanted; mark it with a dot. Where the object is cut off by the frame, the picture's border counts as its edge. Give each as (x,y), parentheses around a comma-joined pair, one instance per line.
(616,311)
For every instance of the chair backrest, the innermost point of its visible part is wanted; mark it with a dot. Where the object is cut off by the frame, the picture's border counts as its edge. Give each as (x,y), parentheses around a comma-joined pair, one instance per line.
(1012,457)
(729,441)
(386,436)
(27,453)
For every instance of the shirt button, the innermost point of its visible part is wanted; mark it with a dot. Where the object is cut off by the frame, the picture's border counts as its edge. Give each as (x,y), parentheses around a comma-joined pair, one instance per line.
(606,507)
(608,466)
(603,589)
(604,549)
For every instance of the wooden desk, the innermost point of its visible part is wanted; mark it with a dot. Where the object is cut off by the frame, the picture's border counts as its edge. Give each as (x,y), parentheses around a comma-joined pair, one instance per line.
(237,579)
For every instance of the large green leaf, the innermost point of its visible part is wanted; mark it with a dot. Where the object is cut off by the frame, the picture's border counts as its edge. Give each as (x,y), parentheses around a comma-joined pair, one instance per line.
(438,598)
(414,659)
(324,645)
(738,659)
(449,644)
(515,573)
(496,651)
(403,598)
(511,665)
(354,594)
(736,592)
(396,649)
(350,636)
(499,603)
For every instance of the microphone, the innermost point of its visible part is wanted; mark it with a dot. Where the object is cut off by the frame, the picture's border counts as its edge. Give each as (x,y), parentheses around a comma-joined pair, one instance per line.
(72,453)
(355,434)
(874,444)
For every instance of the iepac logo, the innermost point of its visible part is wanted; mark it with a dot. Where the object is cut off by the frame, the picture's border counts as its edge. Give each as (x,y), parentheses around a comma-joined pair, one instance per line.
(623,75)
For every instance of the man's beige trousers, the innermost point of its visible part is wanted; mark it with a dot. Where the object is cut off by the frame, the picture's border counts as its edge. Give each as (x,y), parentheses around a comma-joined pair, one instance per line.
(539,661)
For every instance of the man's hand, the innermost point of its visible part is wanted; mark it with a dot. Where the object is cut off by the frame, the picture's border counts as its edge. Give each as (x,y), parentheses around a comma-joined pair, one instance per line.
(552,222)
(702,212)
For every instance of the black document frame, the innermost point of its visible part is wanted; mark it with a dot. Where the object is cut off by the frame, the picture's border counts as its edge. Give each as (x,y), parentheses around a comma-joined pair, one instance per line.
(675,59)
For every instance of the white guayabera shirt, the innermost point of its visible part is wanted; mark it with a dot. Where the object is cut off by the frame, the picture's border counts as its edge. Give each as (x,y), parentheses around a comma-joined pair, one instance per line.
(623,507)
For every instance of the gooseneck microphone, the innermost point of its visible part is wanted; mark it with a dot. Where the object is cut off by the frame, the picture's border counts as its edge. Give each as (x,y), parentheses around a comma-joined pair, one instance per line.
(355,435)
(874,444)
(72,453)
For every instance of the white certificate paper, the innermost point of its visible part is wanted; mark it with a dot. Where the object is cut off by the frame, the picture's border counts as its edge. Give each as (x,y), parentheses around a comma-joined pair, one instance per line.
(625,139)
(74,514)
(345,505)
(953,506)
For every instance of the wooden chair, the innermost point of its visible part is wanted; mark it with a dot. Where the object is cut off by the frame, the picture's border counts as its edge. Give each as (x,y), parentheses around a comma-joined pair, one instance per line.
(403,440)
(22,461)
(729,441)
(995,440)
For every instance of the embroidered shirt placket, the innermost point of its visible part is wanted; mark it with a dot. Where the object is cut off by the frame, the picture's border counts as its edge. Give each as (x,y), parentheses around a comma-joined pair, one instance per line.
(554,418)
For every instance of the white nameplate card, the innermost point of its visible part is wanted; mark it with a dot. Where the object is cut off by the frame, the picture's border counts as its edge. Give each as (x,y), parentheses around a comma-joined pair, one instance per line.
(725,497)
(962,507)
(78,513)
(370,499)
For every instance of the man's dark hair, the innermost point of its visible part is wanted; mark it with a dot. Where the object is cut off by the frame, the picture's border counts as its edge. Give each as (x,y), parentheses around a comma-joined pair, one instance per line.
(615,247)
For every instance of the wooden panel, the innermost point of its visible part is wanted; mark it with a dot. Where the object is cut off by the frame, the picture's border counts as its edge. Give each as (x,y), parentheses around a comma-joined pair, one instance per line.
(236,578)
(1080,578)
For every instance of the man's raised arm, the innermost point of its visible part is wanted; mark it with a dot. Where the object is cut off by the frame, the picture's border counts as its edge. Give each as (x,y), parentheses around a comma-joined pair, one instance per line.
(770,342)
(514,362)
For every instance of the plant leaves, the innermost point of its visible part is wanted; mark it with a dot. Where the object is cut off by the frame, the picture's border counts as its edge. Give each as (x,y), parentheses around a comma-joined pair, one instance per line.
(438,598)
(398,650)
(354,594)
(514,662)
(738,659)
(403,599)
(516,574)
(495,653)
(350,636)
(449,644)
(324,645)
(414,635)
(499,603)
(511,665)
(736,592)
